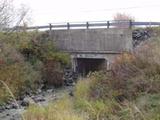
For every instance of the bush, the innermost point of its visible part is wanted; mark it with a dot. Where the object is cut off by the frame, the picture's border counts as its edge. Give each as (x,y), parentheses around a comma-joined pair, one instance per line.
(52,73)
(150,106)
(131,75)
(38,49)
(92,104)
(41,48)
(15,72)
(129,91)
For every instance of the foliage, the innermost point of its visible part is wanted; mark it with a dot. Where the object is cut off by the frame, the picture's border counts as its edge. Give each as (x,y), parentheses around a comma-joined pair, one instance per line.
(41,47)
(15,72)
(123,16)
(37,49)
(60,110)
(129,91)
(52,73)
(96,109)
(150,106)
(23,58)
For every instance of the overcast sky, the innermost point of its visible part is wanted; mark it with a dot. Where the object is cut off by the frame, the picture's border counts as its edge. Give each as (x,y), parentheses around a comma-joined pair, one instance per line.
(51,11)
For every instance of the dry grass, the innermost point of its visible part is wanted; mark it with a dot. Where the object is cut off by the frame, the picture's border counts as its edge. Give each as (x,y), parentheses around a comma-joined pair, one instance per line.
(60,110)
(123,93)
(15,72)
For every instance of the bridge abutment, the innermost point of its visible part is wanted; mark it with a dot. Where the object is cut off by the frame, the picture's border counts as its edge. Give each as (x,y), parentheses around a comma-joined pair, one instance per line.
(93,49)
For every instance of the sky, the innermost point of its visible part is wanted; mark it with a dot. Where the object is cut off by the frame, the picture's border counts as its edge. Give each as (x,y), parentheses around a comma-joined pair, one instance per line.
(58,11)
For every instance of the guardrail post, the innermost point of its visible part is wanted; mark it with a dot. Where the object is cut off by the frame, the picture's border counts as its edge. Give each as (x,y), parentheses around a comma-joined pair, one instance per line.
(50,30)
(68,26)
(108,24)
(50,26)
(130,24)
(87,25)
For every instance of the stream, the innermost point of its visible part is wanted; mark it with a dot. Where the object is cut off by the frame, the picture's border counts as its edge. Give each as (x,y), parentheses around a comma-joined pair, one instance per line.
(10,112)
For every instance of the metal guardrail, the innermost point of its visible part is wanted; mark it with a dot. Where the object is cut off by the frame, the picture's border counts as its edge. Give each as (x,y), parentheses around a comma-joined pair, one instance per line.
(88,25)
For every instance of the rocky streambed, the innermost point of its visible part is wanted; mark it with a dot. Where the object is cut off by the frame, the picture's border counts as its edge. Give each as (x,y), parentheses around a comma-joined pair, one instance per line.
(10,111)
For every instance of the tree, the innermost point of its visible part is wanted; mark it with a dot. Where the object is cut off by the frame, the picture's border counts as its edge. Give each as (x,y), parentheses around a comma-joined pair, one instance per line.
(122,20)
(123,16)
(6,15)
(11,16)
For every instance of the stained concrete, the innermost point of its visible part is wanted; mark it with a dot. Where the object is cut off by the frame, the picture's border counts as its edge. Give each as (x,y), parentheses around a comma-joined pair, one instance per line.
(93,40)
(93,44)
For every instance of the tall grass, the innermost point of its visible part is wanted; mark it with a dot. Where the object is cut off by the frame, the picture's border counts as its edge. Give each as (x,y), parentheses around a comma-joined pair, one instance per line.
(60,110)
(13,97)
(23,58)
(119,94)
(15,72)
(129,91)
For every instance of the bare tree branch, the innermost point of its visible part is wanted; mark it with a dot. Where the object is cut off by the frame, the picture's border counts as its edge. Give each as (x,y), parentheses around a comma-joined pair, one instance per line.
(9,16)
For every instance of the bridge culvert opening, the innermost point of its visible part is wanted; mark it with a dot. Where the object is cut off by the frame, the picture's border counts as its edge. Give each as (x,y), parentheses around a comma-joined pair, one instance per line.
(86,65)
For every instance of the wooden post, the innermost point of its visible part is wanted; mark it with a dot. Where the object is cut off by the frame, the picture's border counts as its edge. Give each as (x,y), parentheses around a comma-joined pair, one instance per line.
(68,26)
(107,24)
(87,25)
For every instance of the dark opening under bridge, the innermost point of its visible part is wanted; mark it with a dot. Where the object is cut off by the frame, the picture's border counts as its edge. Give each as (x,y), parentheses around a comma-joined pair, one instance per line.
(92,46)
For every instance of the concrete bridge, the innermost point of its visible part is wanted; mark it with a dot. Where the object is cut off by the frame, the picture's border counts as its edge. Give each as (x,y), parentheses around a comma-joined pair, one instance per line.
(93,49)
(92,45)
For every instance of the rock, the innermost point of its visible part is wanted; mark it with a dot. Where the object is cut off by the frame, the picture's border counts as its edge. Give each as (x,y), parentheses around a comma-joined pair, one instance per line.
(139,36)
(71,93)
(2,108)
(38,91)
(27,101)
(12,118)
(50,90)
(28,92)
(39,99)
(21,97)
(70,77)
(8,107)
(14,106)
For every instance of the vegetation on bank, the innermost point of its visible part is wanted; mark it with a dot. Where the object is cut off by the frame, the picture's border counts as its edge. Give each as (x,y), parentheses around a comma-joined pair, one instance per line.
(24,62)
(129,91)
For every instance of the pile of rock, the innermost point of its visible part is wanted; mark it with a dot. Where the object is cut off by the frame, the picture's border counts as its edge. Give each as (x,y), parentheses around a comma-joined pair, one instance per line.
(70,77)
(139,36)
(25,101)
(10,111)
(8,106)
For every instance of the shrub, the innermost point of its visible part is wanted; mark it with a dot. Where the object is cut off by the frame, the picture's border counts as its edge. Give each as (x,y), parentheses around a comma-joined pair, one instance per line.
(39,51)
(15,72)
(41,48)
(130,77)
(52,73)
(118,93)
(95,107)
(149,105)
